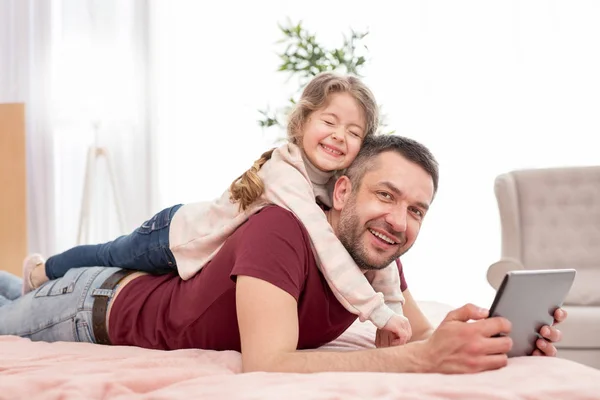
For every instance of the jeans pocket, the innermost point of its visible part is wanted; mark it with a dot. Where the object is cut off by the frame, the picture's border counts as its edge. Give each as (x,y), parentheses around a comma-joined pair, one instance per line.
(83,329)
(61,286)
(157,222)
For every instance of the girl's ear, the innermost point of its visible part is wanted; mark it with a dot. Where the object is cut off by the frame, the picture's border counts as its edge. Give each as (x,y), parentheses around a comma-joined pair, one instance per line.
(341,192)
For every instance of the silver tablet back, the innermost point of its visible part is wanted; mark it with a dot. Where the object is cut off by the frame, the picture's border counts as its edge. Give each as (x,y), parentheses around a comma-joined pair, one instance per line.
(528,299)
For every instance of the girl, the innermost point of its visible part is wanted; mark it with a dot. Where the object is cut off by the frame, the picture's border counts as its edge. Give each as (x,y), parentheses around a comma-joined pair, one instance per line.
(325,132)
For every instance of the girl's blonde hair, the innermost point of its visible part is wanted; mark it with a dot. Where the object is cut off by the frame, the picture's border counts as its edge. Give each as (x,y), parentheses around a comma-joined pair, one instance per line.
(248,187)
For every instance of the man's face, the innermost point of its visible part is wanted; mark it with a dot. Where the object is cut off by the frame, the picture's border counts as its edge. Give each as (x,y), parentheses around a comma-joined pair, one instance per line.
(380,220)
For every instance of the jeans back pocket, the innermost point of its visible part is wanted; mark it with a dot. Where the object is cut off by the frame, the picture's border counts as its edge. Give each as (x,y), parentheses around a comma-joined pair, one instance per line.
(159,221)
(61,286)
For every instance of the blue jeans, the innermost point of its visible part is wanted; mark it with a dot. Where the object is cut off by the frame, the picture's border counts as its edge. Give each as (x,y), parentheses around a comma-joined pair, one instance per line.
(145,249)
(9,292)
(59,310)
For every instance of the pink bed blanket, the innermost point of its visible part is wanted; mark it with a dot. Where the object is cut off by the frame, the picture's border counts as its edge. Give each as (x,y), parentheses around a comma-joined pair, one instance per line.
(33,370)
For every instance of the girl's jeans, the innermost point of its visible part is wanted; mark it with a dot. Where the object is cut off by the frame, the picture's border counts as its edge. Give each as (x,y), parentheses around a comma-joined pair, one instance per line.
(145,249)
(59,310)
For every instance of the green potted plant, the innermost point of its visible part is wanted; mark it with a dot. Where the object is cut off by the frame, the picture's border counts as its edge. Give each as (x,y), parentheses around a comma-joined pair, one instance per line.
(303,57)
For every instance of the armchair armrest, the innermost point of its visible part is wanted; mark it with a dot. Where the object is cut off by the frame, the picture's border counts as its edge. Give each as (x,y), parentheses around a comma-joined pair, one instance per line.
(499,269)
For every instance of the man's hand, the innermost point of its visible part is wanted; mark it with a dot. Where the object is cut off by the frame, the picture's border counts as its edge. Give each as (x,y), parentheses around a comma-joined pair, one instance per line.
(396,332)
(460,347)
(550,334)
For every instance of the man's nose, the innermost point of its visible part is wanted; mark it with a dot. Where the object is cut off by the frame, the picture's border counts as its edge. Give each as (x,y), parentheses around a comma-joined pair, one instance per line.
(397,219)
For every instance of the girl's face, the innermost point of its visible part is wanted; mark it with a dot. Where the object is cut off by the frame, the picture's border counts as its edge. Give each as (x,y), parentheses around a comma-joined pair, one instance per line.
(332,135)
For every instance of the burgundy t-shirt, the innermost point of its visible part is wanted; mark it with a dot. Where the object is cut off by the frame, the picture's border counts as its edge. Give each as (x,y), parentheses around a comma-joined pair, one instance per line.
(166,312)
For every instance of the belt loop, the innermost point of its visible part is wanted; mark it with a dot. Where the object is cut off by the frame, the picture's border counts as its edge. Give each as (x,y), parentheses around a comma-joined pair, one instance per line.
(103,292)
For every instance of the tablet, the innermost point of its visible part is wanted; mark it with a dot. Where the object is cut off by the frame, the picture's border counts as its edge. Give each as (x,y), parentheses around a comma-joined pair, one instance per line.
(528,298)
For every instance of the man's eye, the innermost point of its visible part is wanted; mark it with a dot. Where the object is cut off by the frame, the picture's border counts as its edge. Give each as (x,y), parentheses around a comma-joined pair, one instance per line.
(418,212)
(385,195)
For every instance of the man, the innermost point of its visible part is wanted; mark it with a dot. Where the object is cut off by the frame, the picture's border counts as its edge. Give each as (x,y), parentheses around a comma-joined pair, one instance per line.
(264,295)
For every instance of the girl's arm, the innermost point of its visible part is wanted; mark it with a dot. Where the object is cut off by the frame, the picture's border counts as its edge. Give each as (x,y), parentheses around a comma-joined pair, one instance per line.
(387,281)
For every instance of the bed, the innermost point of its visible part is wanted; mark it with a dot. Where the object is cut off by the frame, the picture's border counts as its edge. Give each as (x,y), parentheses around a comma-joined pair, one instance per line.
(34,370)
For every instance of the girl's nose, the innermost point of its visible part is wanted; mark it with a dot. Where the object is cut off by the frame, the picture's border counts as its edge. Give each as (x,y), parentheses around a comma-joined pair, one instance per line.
(337,135)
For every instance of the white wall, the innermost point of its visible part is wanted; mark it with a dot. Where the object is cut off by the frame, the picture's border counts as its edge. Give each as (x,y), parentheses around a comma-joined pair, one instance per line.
(488,86)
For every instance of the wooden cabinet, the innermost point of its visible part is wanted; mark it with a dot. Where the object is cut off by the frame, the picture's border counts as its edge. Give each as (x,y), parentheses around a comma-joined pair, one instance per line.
(13,192)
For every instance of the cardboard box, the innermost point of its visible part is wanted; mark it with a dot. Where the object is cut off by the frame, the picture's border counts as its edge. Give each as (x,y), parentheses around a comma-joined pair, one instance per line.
(13,188)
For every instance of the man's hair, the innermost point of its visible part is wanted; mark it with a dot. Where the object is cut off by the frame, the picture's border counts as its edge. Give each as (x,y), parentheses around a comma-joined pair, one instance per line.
(408,148)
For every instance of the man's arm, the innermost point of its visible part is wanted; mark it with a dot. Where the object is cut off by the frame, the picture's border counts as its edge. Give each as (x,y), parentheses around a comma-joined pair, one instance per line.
(421,327)
(268,323)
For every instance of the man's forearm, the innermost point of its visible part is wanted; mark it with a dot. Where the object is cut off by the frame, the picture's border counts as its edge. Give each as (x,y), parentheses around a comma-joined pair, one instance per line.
(422,336)
(392,359)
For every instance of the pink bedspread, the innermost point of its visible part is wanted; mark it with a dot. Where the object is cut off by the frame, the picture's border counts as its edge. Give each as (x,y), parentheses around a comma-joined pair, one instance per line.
(30,370)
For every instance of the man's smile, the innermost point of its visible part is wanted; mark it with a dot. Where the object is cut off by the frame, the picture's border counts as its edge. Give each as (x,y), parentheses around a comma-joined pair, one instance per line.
(383,237)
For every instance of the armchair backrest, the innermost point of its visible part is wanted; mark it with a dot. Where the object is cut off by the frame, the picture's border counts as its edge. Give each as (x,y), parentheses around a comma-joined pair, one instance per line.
(550,219)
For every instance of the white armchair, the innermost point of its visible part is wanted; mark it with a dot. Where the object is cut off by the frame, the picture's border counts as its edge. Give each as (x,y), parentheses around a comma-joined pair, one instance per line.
(550,219)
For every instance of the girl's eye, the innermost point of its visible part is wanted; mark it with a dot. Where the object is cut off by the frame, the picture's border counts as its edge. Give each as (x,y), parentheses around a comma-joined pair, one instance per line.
(328,123)
(356,134)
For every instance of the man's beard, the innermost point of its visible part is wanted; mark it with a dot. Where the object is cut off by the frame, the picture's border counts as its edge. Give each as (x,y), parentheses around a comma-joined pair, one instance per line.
(349,233)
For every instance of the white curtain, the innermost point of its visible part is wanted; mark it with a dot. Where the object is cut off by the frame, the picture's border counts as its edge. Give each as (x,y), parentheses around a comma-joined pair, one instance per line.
(81,68)
(25,50)
(100,74)
(488,86)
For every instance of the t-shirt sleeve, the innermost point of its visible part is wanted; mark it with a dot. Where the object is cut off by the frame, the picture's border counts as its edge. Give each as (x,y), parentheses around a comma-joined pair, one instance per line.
(273,249)
(403,285)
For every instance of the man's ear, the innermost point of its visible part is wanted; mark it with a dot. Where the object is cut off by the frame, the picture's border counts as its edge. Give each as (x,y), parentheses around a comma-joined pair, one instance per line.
(341,192)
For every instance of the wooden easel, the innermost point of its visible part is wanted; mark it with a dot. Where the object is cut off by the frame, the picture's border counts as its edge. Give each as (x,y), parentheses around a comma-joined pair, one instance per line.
(96,152)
